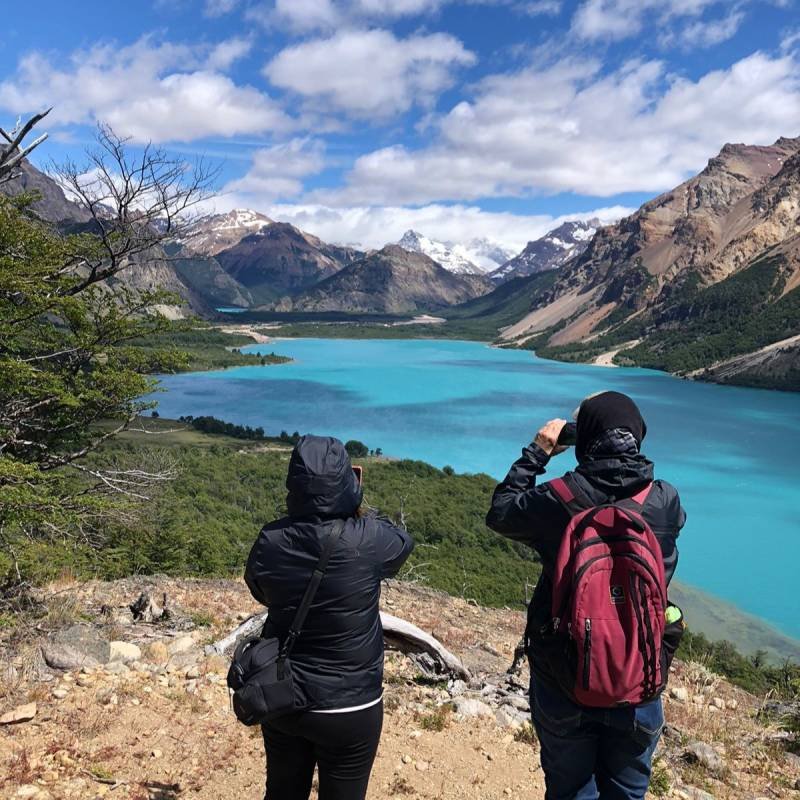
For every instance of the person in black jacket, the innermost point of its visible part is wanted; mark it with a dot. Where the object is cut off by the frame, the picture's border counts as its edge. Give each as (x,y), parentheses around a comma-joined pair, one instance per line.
(337,661)
(586,753)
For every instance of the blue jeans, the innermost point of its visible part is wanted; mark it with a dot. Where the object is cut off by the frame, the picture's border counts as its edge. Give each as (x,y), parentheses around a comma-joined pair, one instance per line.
(591,753)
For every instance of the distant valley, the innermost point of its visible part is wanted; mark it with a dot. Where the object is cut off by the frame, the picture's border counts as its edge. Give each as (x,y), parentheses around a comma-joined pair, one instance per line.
(702,280)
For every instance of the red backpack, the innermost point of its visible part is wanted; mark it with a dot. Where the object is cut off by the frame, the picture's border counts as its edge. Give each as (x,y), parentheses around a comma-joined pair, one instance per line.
(609,601)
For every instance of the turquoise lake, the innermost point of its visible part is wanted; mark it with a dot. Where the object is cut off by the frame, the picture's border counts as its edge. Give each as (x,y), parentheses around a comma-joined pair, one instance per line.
(734,454)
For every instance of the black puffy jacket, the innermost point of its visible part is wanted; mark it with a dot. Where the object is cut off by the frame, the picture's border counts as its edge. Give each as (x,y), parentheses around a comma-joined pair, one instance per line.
(337,660)
(532,514)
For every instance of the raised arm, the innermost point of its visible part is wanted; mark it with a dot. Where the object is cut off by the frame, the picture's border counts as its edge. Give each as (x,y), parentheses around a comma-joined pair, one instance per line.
(520,509)
(393,546)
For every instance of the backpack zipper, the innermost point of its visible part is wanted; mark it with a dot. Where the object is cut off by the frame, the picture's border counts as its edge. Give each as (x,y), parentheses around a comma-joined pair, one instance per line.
(587,652)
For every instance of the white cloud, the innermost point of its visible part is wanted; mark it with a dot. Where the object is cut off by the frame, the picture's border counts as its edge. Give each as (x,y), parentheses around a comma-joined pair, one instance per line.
(569,127)
(302,15)
(619,19)
(227,52)
(150,91)
(218,8)
(706,33)
(370,73)
(372,227)
(536,8)
(277,172)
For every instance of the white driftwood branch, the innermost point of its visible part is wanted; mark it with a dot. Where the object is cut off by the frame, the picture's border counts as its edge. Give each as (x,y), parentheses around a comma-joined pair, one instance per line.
(249,627)
(398,633)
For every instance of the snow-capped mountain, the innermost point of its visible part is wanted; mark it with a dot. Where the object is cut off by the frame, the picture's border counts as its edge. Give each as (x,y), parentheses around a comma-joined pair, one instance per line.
(551,251)
(453,257)
(217,232)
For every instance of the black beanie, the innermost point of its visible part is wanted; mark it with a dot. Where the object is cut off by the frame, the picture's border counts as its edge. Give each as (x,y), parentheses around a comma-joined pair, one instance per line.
(604,412)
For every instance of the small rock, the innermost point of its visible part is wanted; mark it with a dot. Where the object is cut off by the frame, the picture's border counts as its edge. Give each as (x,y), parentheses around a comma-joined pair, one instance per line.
(471,707)
(713,709)
(456,688)
(421,766)
(19,714)
(156,753)
(705,755)
(124,651)
(28,790)
(718,702)
(59,694)
(241,616)
(693,793)
(733,704)
(117,668)
(679,693)
(192,673)
(406,759)
(180,645)
(84,680)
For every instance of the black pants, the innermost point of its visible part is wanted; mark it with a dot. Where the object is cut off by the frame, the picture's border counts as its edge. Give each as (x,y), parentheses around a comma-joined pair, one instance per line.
(343,746)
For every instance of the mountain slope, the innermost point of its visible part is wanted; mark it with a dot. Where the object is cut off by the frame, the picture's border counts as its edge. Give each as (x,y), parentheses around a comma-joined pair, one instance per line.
(551,251)
(705,272)
(280,259)
(390,281)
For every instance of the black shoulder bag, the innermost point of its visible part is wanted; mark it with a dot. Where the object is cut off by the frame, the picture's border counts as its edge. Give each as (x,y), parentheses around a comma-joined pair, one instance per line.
(260,677)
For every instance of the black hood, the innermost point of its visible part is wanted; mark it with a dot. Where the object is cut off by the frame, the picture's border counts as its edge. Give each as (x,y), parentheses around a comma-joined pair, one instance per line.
(321,481)
(617,476)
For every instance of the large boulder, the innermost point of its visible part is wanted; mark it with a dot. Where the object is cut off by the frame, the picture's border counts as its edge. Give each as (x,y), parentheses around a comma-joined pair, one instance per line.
(75,647)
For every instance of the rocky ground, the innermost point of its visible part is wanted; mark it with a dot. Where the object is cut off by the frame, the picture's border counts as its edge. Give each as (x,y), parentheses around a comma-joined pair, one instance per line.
(93,704)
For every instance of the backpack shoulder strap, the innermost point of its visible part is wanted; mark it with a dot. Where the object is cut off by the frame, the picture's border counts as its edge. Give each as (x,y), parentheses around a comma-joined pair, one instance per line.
(568,494)
(311,589)
(636,502)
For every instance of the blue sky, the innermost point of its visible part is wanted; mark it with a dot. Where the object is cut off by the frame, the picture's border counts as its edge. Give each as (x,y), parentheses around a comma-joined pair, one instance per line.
(357,119)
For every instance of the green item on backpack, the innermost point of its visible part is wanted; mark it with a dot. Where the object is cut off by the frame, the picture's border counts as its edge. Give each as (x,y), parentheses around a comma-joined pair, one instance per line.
(673,614)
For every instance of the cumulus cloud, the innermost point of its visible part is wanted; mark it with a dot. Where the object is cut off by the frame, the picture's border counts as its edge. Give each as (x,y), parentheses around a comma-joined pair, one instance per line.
(570,127)
(277,172)
(372,227)
(147,90)
(370,73)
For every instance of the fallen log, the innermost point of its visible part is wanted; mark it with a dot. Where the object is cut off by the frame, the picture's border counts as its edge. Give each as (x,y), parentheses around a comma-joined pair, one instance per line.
(398,635)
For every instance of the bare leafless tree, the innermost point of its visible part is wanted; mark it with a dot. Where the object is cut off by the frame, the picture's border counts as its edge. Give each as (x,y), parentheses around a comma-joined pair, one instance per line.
(14,151)
(135,201)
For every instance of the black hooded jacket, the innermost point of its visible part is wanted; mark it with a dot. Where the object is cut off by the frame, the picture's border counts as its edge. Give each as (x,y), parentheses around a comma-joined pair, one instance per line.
(337,660)
(532,514)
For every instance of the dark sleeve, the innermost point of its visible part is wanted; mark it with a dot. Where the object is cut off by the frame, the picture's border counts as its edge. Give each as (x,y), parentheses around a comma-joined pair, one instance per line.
(666,516)
(393,546)
(521,510)
(251,572)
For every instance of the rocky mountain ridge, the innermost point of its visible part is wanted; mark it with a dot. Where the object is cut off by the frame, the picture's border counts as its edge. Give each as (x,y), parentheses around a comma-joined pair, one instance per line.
(211,234)
(280,259)
(551,251)
(390,281)
(704,272)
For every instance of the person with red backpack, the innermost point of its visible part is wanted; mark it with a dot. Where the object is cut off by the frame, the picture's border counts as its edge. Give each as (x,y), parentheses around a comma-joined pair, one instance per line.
(601,633)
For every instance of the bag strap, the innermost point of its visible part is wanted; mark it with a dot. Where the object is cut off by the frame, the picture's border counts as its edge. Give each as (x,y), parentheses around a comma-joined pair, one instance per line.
(311,589)
(569,496)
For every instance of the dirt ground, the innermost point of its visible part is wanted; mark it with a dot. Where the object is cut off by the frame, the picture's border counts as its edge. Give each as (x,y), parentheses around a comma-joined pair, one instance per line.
(162,727)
